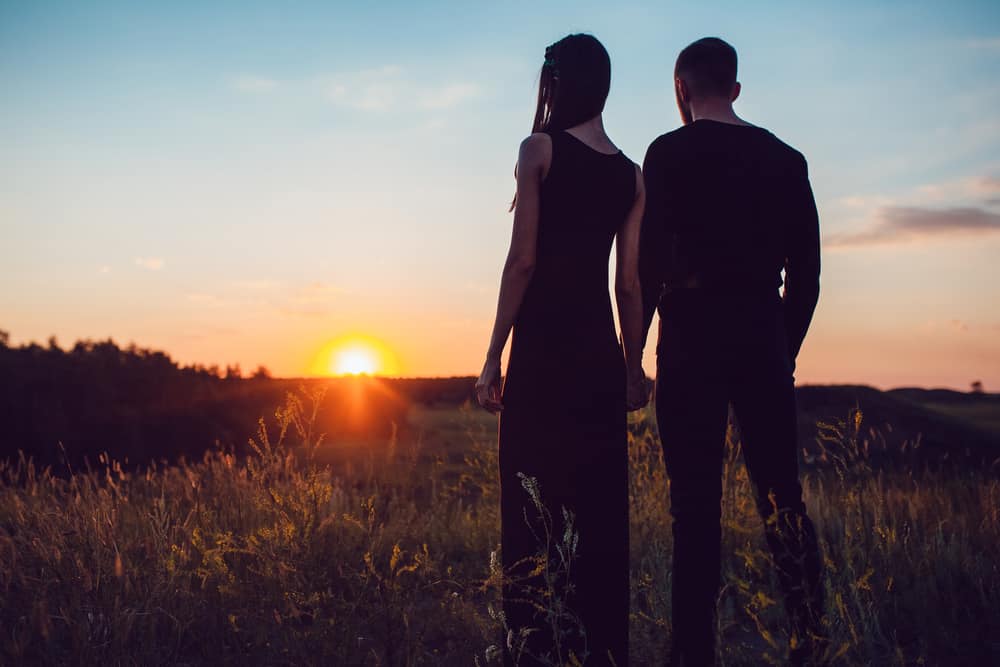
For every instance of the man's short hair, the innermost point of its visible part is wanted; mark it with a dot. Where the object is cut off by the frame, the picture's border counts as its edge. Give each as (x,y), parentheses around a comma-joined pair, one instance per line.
(708,66)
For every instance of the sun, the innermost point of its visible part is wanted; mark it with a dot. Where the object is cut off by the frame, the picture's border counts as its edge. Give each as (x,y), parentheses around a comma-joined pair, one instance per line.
(354,355)
(355,360)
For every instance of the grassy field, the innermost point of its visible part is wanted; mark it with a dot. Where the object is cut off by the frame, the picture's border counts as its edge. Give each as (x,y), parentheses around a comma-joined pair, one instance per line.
(310,552)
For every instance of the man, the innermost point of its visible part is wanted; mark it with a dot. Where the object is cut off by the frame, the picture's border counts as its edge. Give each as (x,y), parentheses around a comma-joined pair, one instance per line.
(729,207)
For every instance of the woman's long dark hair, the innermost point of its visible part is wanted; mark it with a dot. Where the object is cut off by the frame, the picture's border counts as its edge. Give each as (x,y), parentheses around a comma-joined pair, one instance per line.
(573,85)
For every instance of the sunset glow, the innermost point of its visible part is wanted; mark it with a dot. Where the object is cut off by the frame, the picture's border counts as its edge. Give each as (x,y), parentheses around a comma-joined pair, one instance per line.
(354,361)
(355,355)
(357,174)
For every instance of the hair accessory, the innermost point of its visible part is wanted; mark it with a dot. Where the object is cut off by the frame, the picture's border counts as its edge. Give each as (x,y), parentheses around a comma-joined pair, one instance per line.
(550,60)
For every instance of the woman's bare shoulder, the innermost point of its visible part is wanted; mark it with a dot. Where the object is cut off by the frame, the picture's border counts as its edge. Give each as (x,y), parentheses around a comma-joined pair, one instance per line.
(536,144)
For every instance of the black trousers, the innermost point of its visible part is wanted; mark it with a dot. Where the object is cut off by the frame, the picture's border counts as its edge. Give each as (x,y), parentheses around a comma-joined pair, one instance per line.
(714,351)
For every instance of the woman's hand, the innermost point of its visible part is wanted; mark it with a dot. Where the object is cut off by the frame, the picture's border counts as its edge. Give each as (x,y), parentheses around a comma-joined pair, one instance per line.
(488,386)
(637,390)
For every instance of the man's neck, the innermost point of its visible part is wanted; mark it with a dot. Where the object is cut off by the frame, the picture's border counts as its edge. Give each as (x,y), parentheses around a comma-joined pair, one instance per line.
(717,110)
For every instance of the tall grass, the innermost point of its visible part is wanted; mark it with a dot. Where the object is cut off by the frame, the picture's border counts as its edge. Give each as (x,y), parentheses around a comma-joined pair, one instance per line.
(273,559)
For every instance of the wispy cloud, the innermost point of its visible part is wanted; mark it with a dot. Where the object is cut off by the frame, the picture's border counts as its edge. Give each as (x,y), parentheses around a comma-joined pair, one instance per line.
(987,43)
(990,183)
(313,300)
(895,224)
(151,263)
(267,297)
(939,325)
(383,89)
(957,191)
(449,96)
(205,299)
(256,284)
(208,333)
(366,90)
(989,186)
(254,84)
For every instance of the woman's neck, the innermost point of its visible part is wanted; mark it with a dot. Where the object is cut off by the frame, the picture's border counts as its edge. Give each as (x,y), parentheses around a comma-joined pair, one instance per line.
(592,133)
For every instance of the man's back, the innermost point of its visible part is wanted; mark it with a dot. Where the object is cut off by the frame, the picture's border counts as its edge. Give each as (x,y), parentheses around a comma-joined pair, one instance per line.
(728,208)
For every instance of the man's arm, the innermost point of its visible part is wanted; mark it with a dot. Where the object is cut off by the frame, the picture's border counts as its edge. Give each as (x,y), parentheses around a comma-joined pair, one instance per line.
(652,241)
(802,260)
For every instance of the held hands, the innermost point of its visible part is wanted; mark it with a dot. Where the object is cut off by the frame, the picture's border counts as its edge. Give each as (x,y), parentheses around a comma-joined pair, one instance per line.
(488,386)
(637,390)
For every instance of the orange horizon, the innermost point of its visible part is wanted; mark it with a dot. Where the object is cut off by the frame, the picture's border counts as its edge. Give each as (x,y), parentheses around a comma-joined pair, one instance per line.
(879,365)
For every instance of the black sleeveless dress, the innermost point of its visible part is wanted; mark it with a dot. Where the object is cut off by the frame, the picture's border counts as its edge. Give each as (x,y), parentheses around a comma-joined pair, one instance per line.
(564,417)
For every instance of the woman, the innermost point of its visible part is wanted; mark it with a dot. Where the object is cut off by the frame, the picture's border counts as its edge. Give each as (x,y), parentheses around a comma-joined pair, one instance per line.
(569,381)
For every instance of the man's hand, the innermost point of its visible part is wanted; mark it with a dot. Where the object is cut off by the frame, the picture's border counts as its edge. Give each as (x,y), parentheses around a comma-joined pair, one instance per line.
(488,386)
(637,391)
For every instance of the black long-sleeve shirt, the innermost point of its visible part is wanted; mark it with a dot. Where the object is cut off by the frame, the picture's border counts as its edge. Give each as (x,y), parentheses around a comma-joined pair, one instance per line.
(727,208)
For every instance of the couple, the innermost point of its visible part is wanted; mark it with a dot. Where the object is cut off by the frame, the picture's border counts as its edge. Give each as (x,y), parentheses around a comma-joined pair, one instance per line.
(702,233)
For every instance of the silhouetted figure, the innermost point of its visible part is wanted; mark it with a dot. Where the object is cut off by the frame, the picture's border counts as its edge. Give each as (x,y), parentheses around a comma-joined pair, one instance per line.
(567,388)
(728,207)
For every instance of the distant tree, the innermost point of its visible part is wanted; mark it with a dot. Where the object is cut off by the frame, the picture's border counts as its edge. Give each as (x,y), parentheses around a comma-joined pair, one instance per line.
(977,387)
(262,373)
(233,372)
(4,338)
(54,344)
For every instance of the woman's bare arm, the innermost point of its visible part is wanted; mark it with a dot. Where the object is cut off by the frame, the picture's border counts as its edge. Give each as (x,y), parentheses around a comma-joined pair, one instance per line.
(533,162)
(628,293)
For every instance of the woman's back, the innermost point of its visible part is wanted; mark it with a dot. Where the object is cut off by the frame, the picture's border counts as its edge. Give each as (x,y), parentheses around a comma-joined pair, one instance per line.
(585,197)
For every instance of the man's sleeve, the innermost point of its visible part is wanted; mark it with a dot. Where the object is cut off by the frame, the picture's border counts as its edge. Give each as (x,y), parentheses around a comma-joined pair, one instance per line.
(802,261)
(651,238)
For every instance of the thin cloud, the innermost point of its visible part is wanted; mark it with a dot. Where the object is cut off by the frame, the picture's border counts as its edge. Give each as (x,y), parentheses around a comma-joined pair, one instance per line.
(989,184)
(368,97)
(317,292)
(957,191)
(954,325)
(895,224)
(205,299)
(316,299)
(254,84)
(386,88)
(987,43)
(150,263)
(256,285)
(449,96)
(367,90)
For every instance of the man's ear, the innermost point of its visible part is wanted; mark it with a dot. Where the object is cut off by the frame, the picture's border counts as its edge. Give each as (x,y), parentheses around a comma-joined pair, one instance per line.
(736,91)
(683,93)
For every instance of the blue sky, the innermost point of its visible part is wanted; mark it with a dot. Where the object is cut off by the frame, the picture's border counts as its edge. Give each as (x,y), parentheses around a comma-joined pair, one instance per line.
(244,182)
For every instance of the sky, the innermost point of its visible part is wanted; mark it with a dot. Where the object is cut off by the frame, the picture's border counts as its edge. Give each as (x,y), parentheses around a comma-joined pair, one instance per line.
(250,182)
